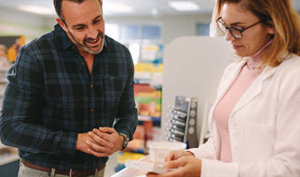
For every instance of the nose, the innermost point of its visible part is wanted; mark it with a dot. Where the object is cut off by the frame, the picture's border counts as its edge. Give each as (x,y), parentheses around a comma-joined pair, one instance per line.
(228,36)
(92,32)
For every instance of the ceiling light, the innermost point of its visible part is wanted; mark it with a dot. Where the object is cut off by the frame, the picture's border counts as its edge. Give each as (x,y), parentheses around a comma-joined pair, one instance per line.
(117,8)
(37,10)
(154,11)
(184,5)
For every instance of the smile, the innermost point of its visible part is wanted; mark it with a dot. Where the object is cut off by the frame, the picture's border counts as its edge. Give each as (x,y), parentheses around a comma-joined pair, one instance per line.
(92,41)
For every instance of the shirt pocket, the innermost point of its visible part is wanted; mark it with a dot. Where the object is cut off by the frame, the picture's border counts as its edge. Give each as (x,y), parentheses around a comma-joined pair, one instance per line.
(111,88)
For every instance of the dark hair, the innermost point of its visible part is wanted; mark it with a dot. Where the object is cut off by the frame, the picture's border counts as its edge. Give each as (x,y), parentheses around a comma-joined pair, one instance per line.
(58,7)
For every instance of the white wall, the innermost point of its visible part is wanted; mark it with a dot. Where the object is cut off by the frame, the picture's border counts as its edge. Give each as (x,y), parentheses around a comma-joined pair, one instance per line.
(19,17)
(13,22)
(172,26)
(193,67)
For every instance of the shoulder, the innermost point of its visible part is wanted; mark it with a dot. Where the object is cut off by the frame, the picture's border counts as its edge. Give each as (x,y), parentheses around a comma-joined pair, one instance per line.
(37,44)
(31,54)
(292,60)
(116,52)
(288,72)
(290,66)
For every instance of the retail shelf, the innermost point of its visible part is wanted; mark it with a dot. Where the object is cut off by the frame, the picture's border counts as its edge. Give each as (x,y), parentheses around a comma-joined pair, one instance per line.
(148,118)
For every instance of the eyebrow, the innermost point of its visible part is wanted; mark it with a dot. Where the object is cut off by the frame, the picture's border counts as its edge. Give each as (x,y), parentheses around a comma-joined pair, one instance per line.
(99,16)
(232,24)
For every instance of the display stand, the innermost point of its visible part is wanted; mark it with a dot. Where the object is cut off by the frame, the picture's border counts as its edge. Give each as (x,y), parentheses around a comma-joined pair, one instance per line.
(182,119)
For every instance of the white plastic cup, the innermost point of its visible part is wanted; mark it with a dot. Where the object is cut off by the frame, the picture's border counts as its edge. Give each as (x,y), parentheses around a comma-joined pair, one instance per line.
(158,150)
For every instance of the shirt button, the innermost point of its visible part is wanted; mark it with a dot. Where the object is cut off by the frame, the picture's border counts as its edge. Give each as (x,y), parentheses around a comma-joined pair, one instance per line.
(92,110)
(92,86)
(82,63)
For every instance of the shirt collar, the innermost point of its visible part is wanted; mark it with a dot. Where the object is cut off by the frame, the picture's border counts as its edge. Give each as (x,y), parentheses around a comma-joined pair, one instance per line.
(63,40)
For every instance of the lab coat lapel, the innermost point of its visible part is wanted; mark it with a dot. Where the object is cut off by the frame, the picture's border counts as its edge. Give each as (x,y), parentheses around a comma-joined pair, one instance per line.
(254,90)
(233,73)
(231,78)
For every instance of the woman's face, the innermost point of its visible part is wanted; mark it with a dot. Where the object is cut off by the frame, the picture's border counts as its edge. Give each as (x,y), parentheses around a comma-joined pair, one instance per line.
(254,38)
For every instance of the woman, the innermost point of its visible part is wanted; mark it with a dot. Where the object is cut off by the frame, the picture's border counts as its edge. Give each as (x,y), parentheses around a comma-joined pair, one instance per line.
(255,120)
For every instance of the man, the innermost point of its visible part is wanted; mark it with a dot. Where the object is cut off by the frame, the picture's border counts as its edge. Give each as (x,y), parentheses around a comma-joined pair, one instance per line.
(62,88)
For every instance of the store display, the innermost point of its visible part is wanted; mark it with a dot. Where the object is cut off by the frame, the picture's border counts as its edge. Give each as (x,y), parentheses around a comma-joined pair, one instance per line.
(12,44)
(148,101)
(148,73)
(182,120)
(152,53)
(122,157)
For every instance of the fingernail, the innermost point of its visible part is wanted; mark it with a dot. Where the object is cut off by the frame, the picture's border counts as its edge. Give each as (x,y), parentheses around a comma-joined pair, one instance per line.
(90,133)
(87,142)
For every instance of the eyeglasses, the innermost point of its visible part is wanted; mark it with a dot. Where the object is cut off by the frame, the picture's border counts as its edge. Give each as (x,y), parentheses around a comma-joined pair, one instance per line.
(236,32)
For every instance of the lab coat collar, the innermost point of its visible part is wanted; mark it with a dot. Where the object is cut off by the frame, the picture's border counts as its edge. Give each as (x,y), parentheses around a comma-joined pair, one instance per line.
(255,88)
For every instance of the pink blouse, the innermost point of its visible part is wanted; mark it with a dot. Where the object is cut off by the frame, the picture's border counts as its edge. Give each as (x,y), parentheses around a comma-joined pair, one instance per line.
(249,72)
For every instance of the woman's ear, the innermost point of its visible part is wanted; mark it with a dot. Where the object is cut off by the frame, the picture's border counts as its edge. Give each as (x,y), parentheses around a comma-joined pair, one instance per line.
(271,30)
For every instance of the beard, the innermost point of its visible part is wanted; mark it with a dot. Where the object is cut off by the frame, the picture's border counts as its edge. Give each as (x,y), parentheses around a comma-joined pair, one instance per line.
(90,49)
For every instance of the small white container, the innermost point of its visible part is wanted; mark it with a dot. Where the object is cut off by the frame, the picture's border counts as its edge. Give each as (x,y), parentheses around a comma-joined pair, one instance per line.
(158,150)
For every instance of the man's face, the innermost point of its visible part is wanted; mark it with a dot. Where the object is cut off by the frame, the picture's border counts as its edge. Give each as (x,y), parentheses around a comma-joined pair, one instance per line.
(84,25)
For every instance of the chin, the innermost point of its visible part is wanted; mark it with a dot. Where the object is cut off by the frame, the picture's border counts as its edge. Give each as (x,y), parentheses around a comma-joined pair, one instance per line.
(240,53)
(94,50)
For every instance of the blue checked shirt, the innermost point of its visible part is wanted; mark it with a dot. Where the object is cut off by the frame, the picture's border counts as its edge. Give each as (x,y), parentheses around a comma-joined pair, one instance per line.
(51,97)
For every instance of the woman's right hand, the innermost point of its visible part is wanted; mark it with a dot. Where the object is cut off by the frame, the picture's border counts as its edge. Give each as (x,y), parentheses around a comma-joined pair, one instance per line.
(173,155)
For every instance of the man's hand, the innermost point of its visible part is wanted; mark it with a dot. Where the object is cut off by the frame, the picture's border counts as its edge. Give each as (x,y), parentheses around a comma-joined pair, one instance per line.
(82,142)
(105,141)
(185,166)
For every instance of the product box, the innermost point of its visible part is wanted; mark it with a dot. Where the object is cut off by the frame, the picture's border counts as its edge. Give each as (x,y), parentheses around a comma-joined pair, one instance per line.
(148,100)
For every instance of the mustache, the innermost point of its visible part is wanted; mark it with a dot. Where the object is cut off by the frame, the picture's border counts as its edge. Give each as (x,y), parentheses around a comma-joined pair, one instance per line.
(100,35)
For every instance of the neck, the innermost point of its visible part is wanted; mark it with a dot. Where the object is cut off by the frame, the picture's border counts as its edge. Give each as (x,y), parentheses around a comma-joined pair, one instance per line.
(84,53)
(254,60)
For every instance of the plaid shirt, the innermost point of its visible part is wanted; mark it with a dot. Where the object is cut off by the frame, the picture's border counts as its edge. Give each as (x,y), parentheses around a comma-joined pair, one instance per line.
(51,97)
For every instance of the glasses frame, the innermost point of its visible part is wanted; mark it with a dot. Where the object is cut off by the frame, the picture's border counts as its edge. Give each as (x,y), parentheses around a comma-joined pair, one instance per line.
(229,28)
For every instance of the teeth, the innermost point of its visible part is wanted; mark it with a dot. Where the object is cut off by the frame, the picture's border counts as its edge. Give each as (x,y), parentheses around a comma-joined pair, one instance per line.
(93,41)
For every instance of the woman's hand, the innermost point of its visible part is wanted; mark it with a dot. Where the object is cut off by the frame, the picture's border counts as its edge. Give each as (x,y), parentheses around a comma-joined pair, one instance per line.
(183,167)
(173,155)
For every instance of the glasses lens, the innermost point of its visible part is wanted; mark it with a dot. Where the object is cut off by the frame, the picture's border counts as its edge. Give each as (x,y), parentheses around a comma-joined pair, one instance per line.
(235,33)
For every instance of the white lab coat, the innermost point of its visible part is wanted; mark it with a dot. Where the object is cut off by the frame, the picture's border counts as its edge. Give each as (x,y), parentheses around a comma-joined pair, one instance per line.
(264,126)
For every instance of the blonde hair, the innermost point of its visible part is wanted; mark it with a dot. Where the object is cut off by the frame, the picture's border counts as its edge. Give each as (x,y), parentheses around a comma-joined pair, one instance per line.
(278,14)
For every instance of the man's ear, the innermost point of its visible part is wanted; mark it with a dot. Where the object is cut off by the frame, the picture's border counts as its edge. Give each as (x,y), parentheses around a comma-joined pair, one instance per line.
(101,2)
(62,24)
